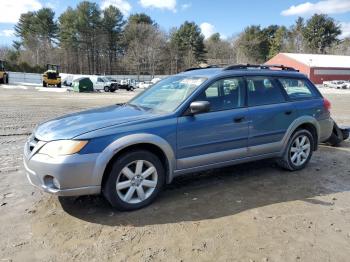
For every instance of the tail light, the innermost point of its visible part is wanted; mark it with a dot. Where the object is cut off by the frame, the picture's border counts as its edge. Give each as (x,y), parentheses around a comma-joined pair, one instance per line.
(327,104)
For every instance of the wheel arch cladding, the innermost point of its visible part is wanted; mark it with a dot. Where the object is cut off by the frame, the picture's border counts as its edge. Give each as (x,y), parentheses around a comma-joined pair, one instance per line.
(312,129)
(152,143)
(305,122)
(142,146)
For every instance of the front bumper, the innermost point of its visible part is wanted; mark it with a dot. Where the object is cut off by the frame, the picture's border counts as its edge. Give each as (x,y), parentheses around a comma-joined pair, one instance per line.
(74,174)
(52,81)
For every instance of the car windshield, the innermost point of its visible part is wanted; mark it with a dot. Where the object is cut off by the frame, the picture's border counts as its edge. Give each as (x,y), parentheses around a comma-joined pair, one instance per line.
(168,94)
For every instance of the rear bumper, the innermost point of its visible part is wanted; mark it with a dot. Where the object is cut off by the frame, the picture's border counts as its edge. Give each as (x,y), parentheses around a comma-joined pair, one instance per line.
(74,174)
(326,127)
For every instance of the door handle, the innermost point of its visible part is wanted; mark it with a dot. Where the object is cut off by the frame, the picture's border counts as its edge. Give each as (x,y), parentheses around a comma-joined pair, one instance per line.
(288,112)
(238,119)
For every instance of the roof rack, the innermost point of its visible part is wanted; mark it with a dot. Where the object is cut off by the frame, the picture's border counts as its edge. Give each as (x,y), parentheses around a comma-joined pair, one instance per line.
(250,66)
(288,68)
(202,67)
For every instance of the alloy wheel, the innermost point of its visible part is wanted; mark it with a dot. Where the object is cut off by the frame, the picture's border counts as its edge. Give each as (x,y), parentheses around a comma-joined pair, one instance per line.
(300,150)
(136,181)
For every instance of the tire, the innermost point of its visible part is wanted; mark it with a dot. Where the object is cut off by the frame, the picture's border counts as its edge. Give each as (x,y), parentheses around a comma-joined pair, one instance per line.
(131,88)
(290,159)
(59,85)
(129,196)
(106,89)
(44,84)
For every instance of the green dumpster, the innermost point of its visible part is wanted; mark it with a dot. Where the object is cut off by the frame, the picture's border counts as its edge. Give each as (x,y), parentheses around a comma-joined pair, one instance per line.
(83,84)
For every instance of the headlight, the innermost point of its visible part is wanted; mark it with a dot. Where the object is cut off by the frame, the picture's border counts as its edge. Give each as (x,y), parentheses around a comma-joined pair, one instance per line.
(62,147)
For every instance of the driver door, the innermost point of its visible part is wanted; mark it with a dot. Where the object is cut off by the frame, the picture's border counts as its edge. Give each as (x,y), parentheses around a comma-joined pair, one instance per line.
(219,135)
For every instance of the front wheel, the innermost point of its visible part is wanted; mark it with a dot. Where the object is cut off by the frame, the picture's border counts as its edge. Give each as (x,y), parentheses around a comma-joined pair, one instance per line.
(298,152)
(106,89)
(135,180)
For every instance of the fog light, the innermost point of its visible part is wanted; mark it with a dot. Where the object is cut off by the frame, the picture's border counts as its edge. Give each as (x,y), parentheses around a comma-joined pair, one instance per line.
(56,183)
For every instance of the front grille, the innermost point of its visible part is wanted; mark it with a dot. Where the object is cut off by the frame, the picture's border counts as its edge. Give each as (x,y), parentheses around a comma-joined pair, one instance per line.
(51,75)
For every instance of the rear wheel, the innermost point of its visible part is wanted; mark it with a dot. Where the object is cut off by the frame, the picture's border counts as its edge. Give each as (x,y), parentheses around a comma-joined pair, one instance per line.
(298,152)
(135,180)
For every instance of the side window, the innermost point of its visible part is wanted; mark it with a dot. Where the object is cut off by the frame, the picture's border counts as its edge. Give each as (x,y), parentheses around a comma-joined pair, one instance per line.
(99,79)
(297,88)
(213,90)
(224,94)
(262,91)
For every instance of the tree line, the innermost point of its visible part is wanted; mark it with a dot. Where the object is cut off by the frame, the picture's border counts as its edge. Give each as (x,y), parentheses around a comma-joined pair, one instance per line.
(88,40)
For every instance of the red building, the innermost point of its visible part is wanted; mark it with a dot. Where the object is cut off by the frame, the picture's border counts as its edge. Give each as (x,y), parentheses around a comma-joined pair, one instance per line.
(318,68)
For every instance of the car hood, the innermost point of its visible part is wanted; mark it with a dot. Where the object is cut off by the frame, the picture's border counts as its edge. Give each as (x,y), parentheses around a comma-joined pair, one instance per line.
(70,126)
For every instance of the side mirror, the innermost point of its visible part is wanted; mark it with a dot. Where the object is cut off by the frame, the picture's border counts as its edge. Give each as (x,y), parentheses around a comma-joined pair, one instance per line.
(199,107)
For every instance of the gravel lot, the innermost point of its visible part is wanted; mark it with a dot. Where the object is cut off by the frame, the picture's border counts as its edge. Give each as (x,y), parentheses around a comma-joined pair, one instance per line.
(251,212)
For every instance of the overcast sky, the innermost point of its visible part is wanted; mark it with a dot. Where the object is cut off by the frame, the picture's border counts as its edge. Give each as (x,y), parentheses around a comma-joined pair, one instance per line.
(224,16)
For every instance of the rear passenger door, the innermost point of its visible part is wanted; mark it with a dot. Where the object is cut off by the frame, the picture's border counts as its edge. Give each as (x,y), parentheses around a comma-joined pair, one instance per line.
(270,115)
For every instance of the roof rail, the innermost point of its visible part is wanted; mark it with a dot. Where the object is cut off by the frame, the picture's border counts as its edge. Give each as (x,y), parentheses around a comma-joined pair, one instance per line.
(288,68)
(203,67)
(249,66)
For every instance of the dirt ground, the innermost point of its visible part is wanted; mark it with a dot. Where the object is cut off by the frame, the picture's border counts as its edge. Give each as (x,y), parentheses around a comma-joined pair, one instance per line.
(251,212)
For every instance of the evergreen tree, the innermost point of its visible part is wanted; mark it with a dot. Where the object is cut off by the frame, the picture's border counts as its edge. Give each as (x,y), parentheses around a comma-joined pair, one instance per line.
(190,42)
(112,27)
(320,32)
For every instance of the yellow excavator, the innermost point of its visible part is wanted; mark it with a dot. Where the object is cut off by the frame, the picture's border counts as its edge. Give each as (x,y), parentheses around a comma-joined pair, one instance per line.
(4,77)
(51,76)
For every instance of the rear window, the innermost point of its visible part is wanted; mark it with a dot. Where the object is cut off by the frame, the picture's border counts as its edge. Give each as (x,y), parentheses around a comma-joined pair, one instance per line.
(262,91)
(297,88)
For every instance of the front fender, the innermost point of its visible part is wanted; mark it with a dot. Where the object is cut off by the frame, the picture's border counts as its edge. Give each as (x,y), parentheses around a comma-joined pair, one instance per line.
(116,146)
